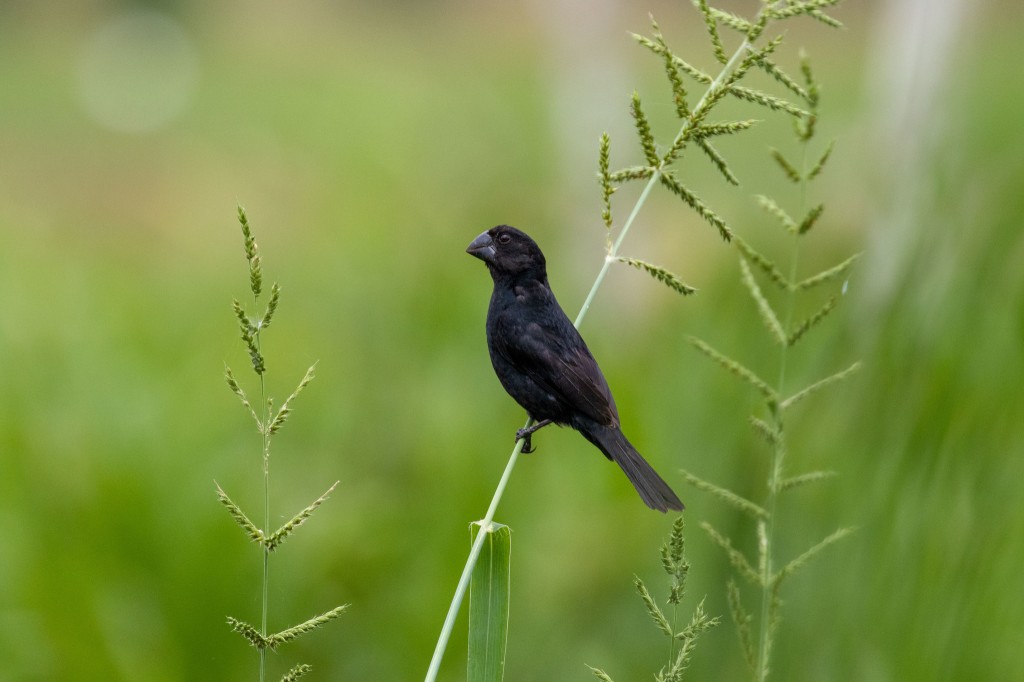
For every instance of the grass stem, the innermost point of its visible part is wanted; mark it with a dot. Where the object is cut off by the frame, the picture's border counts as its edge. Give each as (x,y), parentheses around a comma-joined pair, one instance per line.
(266,505)
(778,454)
(474,554)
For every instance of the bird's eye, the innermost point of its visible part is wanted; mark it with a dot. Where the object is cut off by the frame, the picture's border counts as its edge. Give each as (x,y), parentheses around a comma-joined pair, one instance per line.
(504,238)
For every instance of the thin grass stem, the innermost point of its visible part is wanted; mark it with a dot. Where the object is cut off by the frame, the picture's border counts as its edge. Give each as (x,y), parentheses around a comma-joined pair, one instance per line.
(474,554)
(266,503)
(614,250)
(778,455)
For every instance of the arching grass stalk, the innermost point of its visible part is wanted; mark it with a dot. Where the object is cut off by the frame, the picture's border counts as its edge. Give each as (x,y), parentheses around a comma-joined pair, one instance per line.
(613,250)
(711,95)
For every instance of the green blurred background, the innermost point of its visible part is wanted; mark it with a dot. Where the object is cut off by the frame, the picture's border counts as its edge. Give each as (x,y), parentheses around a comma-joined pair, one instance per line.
(370,142)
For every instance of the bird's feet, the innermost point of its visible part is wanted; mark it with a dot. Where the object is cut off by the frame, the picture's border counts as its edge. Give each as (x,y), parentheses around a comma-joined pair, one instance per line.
(526,435)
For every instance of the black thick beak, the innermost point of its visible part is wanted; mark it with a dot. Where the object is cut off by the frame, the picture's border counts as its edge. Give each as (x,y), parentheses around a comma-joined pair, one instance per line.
(482,247)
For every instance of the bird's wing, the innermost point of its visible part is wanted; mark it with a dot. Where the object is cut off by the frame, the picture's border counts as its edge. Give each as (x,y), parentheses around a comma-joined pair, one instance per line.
(556,357)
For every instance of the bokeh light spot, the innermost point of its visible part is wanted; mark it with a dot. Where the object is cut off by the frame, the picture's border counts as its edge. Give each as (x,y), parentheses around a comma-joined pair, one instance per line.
(137,72)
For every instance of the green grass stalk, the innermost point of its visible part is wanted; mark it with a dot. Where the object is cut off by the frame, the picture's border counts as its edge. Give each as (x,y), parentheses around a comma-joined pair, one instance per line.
(266,517)
(474,554)
(268,422)
(265,436)
(778,454)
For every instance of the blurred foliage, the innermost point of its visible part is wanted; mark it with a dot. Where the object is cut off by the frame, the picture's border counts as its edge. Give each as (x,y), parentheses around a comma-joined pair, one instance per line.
(369,145)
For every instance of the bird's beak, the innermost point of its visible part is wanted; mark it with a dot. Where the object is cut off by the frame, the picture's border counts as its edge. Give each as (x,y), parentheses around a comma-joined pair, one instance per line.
(482,247)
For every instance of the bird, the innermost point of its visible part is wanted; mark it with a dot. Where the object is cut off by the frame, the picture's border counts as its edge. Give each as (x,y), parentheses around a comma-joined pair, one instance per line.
(543,363)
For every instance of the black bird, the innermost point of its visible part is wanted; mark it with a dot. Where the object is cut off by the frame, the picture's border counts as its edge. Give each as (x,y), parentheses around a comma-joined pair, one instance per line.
(541,359)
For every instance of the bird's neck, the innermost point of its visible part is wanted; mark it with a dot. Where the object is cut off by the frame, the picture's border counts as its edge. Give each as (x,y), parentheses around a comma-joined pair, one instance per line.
(529,279)
(530,288)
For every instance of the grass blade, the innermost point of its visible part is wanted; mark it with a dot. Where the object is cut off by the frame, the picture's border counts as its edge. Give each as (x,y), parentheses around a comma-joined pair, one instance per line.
(489,606)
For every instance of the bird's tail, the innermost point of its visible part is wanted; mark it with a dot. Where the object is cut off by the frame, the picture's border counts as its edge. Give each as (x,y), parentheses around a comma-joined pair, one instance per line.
(654,491)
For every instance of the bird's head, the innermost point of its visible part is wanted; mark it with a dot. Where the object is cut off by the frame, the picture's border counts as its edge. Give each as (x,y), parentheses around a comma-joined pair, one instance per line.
(508,252)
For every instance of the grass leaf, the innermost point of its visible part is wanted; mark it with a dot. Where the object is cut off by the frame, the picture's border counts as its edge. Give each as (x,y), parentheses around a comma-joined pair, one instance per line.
(489,606)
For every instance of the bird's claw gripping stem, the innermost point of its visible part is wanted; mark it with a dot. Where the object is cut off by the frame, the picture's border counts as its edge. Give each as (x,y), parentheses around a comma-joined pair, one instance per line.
(526,435)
